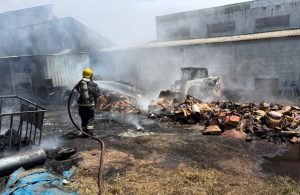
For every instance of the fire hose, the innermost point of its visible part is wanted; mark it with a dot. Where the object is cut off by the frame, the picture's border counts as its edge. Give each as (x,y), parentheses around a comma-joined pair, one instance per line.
(100,181)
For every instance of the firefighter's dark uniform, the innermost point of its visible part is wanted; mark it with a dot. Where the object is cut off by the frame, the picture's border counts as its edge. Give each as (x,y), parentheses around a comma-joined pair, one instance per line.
(89,93)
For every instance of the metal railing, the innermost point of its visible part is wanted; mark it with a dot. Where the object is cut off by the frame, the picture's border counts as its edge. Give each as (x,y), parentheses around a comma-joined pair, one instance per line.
(23,115)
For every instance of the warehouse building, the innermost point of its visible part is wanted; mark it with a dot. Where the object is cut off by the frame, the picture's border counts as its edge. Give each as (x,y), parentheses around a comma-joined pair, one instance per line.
(243,18)
(255,60)
(43,76)
(41,54)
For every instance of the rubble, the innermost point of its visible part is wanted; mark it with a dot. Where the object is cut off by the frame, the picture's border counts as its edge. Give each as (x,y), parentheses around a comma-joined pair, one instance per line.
(161,105)
(248,121)
(232,120)
(212,130)
(295,140)
(115,102)
(4,140)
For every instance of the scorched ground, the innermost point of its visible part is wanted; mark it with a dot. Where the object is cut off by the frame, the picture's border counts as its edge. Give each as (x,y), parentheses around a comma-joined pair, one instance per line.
(168,160)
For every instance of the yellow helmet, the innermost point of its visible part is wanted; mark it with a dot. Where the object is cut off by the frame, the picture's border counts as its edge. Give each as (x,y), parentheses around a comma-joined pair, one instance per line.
(87,73)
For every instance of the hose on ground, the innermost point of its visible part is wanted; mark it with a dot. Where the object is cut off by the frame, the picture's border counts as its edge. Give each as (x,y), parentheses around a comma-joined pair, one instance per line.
(100,181)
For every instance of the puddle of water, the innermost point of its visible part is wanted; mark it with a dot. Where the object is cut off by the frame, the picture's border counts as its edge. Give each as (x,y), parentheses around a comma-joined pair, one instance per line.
(285,164)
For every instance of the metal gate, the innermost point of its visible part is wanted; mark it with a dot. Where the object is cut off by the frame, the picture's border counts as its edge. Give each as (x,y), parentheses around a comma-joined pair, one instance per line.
(21,122)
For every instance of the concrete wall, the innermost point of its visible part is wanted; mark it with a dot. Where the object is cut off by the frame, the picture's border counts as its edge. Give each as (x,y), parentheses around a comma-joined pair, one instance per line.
(238,64)
(219,59)
(242,15)
(268,59)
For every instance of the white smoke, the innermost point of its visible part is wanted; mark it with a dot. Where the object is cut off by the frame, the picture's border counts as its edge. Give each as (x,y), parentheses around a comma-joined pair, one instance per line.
(103,16)
(134,120)
(51,143)
(127,118)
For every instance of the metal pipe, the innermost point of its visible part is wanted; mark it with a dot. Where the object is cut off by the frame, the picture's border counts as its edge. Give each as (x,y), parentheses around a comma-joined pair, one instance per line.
(26,160)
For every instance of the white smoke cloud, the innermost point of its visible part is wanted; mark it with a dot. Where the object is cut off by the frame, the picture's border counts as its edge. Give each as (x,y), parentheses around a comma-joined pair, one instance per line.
(122,21)
(51,143)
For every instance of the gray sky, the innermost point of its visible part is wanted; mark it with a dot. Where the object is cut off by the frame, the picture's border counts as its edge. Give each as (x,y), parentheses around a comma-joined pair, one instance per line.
(122,21)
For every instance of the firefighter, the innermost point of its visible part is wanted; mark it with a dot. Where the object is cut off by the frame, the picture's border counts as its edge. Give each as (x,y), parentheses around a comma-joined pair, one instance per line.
(89,93)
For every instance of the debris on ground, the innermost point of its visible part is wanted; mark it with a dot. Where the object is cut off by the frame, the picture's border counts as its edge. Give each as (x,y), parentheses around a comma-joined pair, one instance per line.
(169,161)
(115,102)
(65,153)
(295,140)
(157,173)
(15,139)
(61,159)
(161,105)
(55,159)
(36,181)
(25,159)
(212,130)
(273,122)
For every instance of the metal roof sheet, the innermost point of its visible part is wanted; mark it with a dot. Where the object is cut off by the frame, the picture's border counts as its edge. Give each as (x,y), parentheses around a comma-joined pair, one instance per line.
(213,40)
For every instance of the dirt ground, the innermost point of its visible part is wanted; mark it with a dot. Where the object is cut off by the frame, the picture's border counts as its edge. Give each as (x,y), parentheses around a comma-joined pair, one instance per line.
(164,160)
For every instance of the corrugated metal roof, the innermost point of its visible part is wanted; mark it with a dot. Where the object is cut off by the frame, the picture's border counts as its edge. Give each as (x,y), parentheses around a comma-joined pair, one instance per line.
(188,42)
(24,17)
(51,37)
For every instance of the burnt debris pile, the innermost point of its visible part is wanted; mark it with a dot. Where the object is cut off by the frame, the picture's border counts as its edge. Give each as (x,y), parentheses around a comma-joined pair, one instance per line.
(16,141)
(272,122)
(115,102)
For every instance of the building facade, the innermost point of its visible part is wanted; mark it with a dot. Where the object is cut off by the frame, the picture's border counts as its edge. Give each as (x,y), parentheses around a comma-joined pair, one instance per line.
(254,47)
(237,19)
(254,66)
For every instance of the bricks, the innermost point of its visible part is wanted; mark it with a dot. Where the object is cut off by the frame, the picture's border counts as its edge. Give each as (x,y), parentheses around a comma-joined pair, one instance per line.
(232,120)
